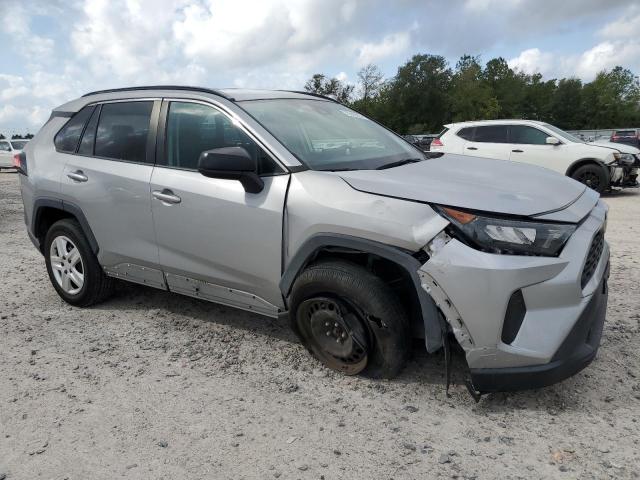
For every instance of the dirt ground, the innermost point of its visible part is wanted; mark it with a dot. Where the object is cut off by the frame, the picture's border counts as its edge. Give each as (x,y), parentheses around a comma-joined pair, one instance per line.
(154,385)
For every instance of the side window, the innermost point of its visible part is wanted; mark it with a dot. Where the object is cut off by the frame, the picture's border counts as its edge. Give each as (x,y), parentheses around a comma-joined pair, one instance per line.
(67,138)
(528,135)
(89,135)
(4,147)
(122,131)
(193,128)
(491,134)
(466,133)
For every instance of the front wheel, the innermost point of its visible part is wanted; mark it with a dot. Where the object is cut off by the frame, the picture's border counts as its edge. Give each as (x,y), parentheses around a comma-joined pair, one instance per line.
(592,176)
(350,320)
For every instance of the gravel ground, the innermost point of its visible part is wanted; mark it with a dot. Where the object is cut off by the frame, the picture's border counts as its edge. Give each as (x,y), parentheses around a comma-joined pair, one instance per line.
(154,385)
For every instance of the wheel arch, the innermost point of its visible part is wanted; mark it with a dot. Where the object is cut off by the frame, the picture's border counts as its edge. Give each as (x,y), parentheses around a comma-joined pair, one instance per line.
(47,211)
(424,316)
(588,161)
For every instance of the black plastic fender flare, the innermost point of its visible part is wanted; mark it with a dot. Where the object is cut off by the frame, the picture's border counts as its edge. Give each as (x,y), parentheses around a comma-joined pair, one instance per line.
(64,206)
(404,259)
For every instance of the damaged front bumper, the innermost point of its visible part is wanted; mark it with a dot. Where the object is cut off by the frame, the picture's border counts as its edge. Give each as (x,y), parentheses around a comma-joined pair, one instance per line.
(523,321)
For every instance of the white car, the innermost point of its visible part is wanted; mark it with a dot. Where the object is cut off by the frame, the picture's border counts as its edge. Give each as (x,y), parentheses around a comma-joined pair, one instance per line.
(539,143)
(8,148)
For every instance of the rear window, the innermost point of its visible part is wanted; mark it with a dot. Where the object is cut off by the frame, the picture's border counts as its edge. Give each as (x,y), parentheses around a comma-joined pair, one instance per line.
(491,134)
(122,131)
(68,137)
(18,144)
(625,133)
(444,130)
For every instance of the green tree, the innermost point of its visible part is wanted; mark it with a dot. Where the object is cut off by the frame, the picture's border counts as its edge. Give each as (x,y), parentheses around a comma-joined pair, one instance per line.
(538,95)
(507,87)
(471,96)
(2,137)
(322,85)
(418,96)
(611,100)
(566,104)
(370,81)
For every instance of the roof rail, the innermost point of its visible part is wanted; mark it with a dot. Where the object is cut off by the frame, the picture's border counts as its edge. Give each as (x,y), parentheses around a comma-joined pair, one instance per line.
(304,92)
(163,87)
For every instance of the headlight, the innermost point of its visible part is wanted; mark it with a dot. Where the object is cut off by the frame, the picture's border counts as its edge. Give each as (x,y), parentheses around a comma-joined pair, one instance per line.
(508,236)
(624,158)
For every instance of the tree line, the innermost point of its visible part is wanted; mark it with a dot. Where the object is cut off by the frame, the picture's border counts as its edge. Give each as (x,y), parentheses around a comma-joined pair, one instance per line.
(16,136)
(427,93)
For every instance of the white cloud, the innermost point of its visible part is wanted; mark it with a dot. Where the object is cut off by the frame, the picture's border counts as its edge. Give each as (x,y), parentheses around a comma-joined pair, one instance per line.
(533,60)
(392,44)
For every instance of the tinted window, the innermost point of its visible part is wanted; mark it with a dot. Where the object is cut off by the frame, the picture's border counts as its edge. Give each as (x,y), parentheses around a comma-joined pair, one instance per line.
(625,133)
(193,128)
(528,135)
(491,134)
(122,131)
(89,135)
(4,147)
(466,133)
(18,144)
(67,139)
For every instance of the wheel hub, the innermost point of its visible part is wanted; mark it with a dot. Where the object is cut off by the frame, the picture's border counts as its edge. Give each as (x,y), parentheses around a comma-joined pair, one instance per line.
(336,334)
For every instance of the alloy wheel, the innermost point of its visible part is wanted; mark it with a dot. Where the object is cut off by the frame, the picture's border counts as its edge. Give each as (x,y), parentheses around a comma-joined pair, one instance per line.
(66,265)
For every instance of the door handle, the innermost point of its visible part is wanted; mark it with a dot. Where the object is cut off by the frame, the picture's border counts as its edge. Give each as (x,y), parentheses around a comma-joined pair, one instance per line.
(471,148)
(518,151)
(77,176)
(166,196)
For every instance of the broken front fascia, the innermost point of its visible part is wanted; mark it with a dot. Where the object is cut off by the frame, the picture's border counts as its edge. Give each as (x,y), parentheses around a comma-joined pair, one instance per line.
(440,298)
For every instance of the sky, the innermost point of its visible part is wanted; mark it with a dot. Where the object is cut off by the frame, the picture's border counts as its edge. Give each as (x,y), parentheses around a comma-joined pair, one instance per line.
(53,51)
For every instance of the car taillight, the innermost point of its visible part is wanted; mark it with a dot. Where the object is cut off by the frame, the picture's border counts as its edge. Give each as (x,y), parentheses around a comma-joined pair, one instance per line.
(437,143)
(614,138)
(20,162)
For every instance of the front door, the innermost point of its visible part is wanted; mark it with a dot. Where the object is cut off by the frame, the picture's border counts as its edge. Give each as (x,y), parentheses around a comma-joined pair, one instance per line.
(215,240)
(529,145)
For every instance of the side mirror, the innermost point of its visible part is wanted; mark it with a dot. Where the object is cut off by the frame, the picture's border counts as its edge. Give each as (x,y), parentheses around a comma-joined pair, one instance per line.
(552,141)
(231,163)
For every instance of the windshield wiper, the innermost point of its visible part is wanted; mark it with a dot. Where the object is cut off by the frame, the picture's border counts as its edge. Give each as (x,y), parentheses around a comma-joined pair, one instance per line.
(398,163)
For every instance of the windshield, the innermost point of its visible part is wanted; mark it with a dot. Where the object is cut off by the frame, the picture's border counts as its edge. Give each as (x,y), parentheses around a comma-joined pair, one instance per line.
(562,134)
(18,145)
(329,136)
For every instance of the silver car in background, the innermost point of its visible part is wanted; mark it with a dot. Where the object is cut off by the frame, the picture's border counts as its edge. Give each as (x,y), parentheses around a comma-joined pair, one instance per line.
(292,205)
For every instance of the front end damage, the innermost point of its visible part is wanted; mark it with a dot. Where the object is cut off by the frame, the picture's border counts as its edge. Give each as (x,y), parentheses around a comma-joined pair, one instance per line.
(522,321)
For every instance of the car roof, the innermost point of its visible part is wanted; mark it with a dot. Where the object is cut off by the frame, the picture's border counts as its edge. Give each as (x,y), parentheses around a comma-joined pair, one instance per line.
(230,95)
(477,123)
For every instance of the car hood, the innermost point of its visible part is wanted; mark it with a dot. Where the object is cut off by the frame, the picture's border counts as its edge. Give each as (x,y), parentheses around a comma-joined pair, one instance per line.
(621,147)
(475,183)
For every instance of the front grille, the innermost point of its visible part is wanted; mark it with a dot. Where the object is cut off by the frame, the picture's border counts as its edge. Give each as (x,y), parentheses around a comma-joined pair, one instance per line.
(593,257)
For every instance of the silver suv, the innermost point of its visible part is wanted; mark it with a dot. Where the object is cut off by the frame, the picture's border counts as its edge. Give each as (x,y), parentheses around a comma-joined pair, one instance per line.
(291,204)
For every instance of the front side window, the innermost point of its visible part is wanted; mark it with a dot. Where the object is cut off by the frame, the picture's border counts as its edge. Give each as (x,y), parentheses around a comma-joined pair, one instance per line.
(4,147)
(528,135)
(122,131)
(328,136)
(67,139)
(193,128)
(491,134)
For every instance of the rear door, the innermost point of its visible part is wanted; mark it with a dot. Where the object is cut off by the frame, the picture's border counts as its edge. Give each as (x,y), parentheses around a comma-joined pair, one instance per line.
(488,141)
(529,145)
(107,176)
(215,240)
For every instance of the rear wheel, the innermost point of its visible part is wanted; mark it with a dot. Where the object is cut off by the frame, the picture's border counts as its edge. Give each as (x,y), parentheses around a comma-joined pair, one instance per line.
(592,176)
(73,268)
(350,320)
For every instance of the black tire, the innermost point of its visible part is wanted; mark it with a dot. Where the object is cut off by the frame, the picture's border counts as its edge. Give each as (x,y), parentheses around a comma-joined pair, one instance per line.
(96,286)
(593,176)
(367,302)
